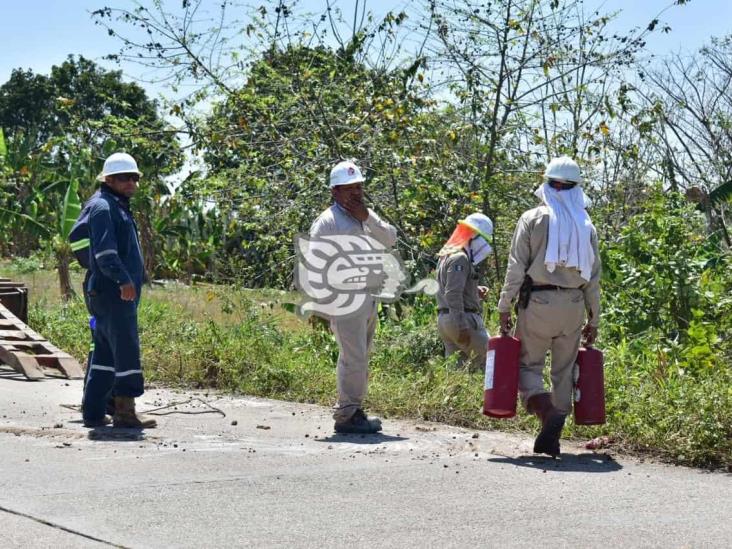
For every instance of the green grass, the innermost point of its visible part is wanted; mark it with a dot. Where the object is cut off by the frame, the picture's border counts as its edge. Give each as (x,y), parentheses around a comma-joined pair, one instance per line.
(245,341)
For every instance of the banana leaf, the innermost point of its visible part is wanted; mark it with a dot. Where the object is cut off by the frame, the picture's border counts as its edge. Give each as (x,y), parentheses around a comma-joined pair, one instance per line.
(721,193)
(71,209)
(3,148)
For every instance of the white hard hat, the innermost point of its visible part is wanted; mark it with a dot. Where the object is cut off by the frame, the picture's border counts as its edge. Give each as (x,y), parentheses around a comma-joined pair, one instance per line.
(563,169)
(480,223)
(345,173)
(118,163)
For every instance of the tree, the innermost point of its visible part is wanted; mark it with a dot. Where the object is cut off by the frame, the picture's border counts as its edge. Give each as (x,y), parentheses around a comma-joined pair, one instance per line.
(59,129)
(530,79)
(44,107)
(270,144)
(689,115)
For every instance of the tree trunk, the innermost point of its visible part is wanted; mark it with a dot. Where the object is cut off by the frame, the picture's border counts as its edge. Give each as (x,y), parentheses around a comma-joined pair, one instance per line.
(147,243)
(64,278)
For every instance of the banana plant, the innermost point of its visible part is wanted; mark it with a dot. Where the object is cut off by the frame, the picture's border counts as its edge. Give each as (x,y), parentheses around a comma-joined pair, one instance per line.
(61,245)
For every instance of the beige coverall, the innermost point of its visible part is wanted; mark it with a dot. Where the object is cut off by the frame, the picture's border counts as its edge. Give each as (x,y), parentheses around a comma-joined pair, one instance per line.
(459,308)
(355,334)
(554,319)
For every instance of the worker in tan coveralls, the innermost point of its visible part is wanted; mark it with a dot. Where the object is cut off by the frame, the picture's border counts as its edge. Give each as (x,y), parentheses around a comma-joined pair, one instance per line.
(354,334)
(459,309)
(554,255)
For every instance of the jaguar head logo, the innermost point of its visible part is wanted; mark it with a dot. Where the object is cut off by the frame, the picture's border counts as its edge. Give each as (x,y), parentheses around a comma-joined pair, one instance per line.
(340,275)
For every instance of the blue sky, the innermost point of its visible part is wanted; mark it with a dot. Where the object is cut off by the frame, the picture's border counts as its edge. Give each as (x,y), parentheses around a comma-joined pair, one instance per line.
(37,34)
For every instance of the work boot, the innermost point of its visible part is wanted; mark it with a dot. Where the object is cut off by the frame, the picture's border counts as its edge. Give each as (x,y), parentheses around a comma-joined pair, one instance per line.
(552,423)
(102,422)
(359,423)
(125,416)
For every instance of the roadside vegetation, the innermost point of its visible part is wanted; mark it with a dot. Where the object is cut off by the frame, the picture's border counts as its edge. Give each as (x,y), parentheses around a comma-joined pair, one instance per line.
(450,107)
(669,393)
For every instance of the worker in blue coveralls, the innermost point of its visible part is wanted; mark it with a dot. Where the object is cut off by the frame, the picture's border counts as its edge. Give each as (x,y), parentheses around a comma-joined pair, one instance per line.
(113,288)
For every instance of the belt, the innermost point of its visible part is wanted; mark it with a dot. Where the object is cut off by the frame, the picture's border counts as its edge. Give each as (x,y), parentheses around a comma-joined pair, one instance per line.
(549,287)
(440,311)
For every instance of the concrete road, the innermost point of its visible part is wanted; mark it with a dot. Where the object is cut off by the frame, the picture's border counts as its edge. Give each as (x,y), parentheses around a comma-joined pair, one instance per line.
(264,473)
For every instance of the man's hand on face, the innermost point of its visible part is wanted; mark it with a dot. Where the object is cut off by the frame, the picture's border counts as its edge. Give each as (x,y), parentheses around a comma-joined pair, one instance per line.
(357,208)
(350,197)
(128,292)
(482,292)
(506,323)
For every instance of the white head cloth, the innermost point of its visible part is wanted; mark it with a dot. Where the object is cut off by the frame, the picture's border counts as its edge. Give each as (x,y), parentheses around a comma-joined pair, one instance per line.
(570,229)
(478,249)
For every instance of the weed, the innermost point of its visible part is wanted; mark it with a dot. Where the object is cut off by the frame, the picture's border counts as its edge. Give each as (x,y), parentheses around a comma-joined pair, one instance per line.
(669,398)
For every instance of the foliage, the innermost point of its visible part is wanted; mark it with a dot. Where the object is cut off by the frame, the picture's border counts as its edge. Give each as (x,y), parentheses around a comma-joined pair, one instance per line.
(312,107)
(59,128)
(657,268)
(450,107)
(242,341)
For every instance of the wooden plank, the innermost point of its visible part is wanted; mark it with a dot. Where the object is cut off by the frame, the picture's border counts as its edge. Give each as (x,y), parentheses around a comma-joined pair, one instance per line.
(28,364)
(13,334)
(28,344)
(28,334)
(70,367)
(22,363)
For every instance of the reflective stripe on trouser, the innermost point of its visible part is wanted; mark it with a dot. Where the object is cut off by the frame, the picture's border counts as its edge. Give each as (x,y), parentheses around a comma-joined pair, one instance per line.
(354,336)
(552,322)
(115,363)
(475,349)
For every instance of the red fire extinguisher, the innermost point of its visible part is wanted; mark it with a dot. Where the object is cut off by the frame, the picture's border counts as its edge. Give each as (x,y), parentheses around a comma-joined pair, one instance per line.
(589,388)
(501,376)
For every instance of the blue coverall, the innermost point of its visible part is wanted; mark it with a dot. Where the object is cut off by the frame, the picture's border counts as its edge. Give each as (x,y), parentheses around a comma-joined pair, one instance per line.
(116,259)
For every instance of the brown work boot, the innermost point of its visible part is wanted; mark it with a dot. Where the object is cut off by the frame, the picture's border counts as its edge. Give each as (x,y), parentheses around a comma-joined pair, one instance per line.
(552,423)
(125,416)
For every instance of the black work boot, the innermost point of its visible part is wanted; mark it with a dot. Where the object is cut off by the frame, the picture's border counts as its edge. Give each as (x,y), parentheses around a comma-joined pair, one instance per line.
(552,423)
(359,423)
(102,422)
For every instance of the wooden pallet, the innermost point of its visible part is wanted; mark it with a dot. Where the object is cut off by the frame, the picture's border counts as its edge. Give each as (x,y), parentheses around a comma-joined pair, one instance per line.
(28,353)
(14,296)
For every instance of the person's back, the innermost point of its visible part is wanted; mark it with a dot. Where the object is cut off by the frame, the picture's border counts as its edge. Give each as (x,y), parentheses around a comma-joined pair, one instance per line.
(459,309)
(457,283)
(554,266)
(534,228)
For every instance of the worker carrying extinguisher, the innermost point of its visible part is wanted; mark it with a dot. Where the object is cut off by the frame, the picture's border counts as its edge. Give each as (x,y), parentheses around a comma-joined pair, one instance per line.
(459,309)
(554,271)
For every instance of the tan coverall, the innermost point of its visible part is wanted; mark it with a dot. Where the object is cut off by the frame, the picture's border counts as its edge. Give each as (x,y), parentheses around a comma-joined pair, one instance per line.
(355,334)
(554,319)
(459,308)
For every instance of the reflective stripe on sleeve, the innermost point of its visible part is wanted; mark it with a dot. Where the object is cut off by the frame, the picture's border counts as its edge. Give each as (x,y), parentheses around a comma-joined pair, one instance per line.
(80,244)
(105,252)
